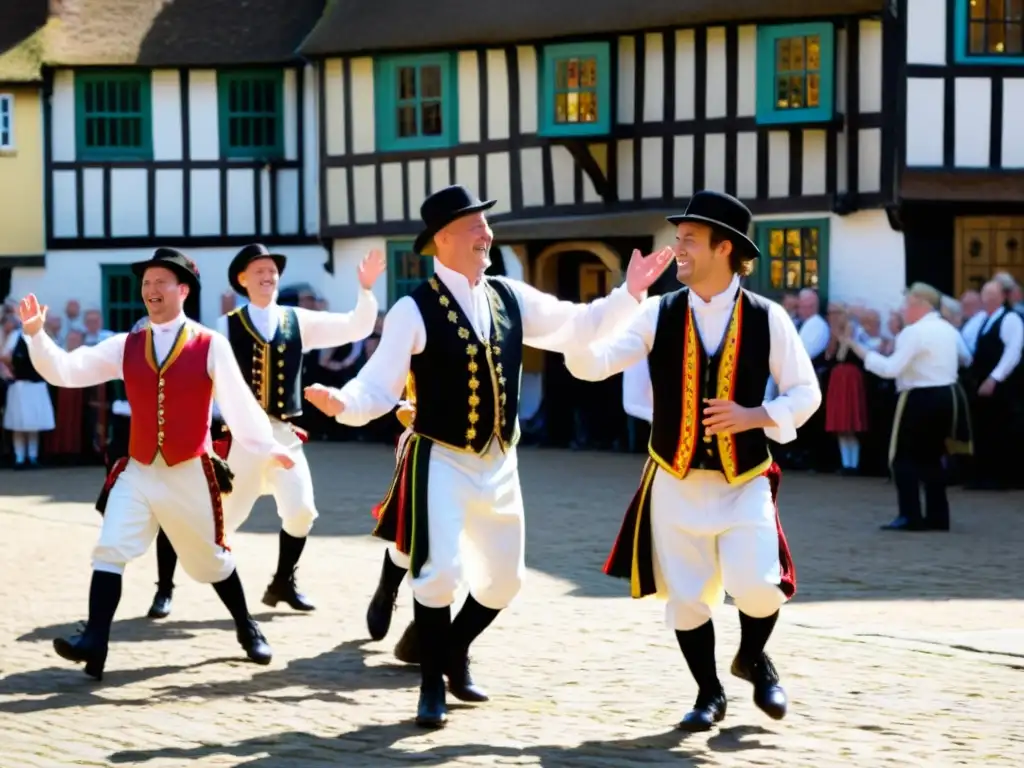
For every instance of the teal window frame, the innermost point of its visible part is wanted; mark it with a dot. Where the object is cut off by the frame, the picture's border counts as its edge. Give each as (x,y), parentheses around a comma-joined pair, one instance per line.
(400,282)
(962,36)
(387,102)
(601,52)
(92,79)
(761,277)
(226,80)
(768,113)
(122,301)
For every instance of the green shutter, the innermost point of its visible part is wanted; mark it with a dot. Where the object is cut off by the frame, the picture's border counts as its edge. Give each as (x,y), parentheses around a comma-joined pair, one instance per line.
(794,256)
(575,92)
(113,115)
(795,84)
(251,113)
(406,270)
(416,102)
(122,298)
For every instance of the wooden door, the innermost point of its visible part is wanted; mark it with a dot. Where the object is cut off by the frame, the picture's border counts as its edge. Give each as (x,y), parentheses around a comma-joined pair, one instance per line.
(986,245)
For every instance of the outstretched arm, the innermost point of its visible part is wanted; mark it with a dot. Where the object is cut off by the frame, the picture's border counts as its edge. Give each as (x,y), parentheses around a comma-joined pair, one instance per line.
(248,422)
(84,367)
(325,330)
(614,354)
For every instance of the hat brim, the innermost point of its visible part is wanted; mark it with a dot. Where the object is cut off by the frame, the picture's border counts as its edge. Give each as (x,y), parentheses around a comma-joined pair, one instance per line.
(187,276)
(425,238)
(746,246)
(238,266)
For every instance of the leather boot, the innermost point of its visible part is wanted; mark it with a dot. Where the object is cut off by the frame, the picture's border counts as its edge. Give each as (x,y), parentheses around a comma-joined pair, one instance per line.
(433,625)
(255,644)
(283,588)
(382,604)
(407,650)
(753,665)
(166,563)
(161,607)
(91,644)
(708,710)
(470,622)
(698,647)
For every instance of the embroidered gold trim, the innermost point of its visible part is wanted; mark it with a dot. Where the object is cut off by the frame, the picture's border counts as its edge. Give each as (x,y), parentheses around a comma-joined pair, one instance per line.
(726,386)
(262,353)
(691,398)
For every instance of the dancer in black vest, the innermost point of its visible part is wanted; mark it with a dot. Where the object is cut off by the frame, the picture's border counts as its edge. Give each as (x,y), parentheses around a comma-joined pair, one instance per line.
(931,418)
(996,372)
(457,341)
(29,409)
(704,520)
(269,341)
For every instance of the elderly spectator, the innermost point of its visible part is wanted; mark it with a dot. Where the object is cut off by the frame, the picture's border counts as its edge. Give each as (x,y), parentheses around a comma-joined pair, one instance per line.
(66,444)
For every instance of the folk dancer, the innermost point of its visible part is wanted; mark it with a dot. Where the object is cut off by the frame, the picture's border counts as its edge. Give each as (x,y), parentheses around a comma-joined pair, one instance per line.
(705,518)
(458,341)
(171,367)
(932,418)
(29,409)
(268,342)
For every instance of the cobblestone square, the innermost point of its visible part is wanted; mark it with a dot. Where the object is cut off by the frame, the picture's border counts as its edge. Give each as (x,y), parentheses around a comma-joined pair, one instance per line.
(899,650)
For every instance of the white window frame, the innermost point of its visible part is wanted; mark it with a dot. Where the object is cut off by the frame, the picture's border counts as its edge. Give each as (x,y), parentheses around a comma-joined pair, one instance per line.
(6,114)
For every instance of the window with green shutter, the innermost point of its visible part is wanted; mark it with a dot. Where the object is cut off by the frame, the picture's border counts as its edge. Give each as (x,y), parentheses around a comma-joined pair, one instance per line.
(251,114)
(122,298)
(406,270)
(113,115)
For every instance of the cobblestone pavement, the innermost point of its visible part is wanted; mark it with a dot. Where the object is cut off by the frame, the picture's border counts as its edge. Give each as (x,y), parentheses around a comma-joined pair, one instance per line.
(900,650)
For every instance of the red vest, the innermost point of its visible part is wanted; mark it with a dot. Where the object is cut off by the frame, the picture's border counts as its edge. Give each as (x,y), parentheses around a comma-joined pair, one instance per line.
(170,403)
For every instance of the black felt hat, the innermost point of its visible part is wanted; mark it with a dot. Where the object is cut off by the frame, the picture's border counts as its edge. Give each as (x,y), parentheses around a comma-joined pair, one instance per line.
(177,262)
(442,208)
(247,256)
(724,212)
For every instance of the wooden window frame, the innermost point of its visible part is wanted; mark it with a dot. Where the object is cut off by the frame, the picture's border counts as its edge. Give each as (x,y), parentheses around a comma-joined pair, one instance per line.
(768,113)
(962,40)
(601,51)
(399,285)
(142,152)
(7,144)
(386,101)
(761,278)
(225,80)
(112,304)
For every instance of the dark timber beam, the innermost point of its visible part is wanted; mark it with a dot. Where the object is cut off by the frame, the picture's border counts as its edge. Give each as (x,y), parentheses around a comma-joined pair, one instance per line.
(585,160)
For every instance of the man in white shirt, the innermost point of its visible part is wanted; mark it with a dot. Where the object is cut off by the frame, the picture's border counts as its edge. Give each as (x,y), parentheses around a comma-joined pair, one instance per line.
(806,451)
(931,418)
(996,373)
(455,344)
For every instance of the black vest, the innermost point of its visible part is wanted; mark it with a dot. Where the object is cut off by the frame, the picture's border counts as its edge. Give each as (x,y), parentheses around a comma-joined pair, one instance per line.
(272,370)
(683,375)
(989,349)
(21,362)
(466,390)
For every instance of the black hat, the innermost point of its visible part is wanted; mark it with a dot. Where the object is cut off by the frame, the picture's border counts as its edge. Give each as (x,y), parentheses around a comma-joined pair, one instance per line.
(247,256)
(724,212)
(442,208)
(177,262)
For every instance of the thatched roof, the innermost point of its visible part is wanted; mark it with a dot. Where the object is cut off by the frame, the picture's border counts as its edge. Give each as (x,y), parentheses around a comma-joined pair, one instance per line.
(21,39)
(355,26)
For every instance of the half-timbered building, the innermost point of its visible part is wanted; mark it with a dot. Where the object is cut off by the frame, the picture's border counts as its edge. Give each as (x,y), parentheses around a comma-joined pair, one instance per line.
(189,124)
(961,111)
(588,122)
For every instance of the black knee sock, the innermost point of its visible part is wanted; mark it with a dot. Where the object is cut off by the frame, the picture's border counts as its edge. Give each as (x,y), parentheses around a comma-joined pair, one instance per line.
(166,563)
(698,647)
(391,575)
(754,634)
(289,549)
(232,595)
(433,629)
(470,622)
(104,596)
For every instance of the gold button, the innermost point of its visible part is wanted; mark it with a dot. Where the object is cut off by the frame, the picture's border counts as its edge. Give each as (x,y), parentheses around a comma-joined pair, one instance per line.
(280,363)
(280,390)
(707,438)
(160,397)
(159,411)
(160,383)
(160,420)
(280,348)
(280,377)
(280,404)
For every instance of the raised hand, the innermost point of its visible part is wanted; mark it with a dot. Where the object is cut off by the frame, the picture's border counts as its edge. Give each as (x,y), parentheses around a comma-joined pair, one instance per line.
(32,315)
(370,268)
(643,271)
(323,399)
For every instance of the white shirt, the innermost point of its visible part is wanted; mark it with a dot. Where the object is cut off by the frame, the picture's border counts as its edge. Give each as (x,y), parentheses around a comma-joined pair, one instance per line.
(548,323)
(926,354)
(89,366)
(972,328)
(637,391)
(1011,333)
(319,330)
(814,334)
(789,363)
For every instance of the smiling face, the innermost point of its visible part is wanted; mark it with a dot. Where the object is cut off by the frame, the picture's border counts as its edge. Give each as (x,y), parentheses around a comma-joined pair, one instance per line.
(163,294)
(699,253)
(260,280)
(465,245)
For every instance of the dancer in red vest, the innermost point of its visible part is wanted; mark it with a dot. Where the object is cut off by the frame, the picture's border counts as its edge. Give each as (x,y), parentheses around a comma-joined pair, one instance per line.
(170,478)
(704,521)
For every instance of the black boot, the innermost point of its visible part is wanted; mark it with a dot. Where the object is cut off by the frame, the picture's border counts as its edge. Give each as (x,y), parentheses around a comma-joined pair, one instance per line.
(382,604)
(407,649)
(283,588)
(469,623)
(754,665)
(698,647)
(91,644)
(434,629)
(247,630)
(166,562)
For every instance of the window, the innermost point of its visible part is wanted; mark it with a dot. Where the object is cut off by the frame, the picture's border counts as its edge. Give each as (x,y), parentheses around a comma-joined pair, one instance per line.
(122,298)
(113,115)
(576,90)
(794,256)
(417,102)
(989,31)
(795,79)
(6,121)
(406,270)
(250,107)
